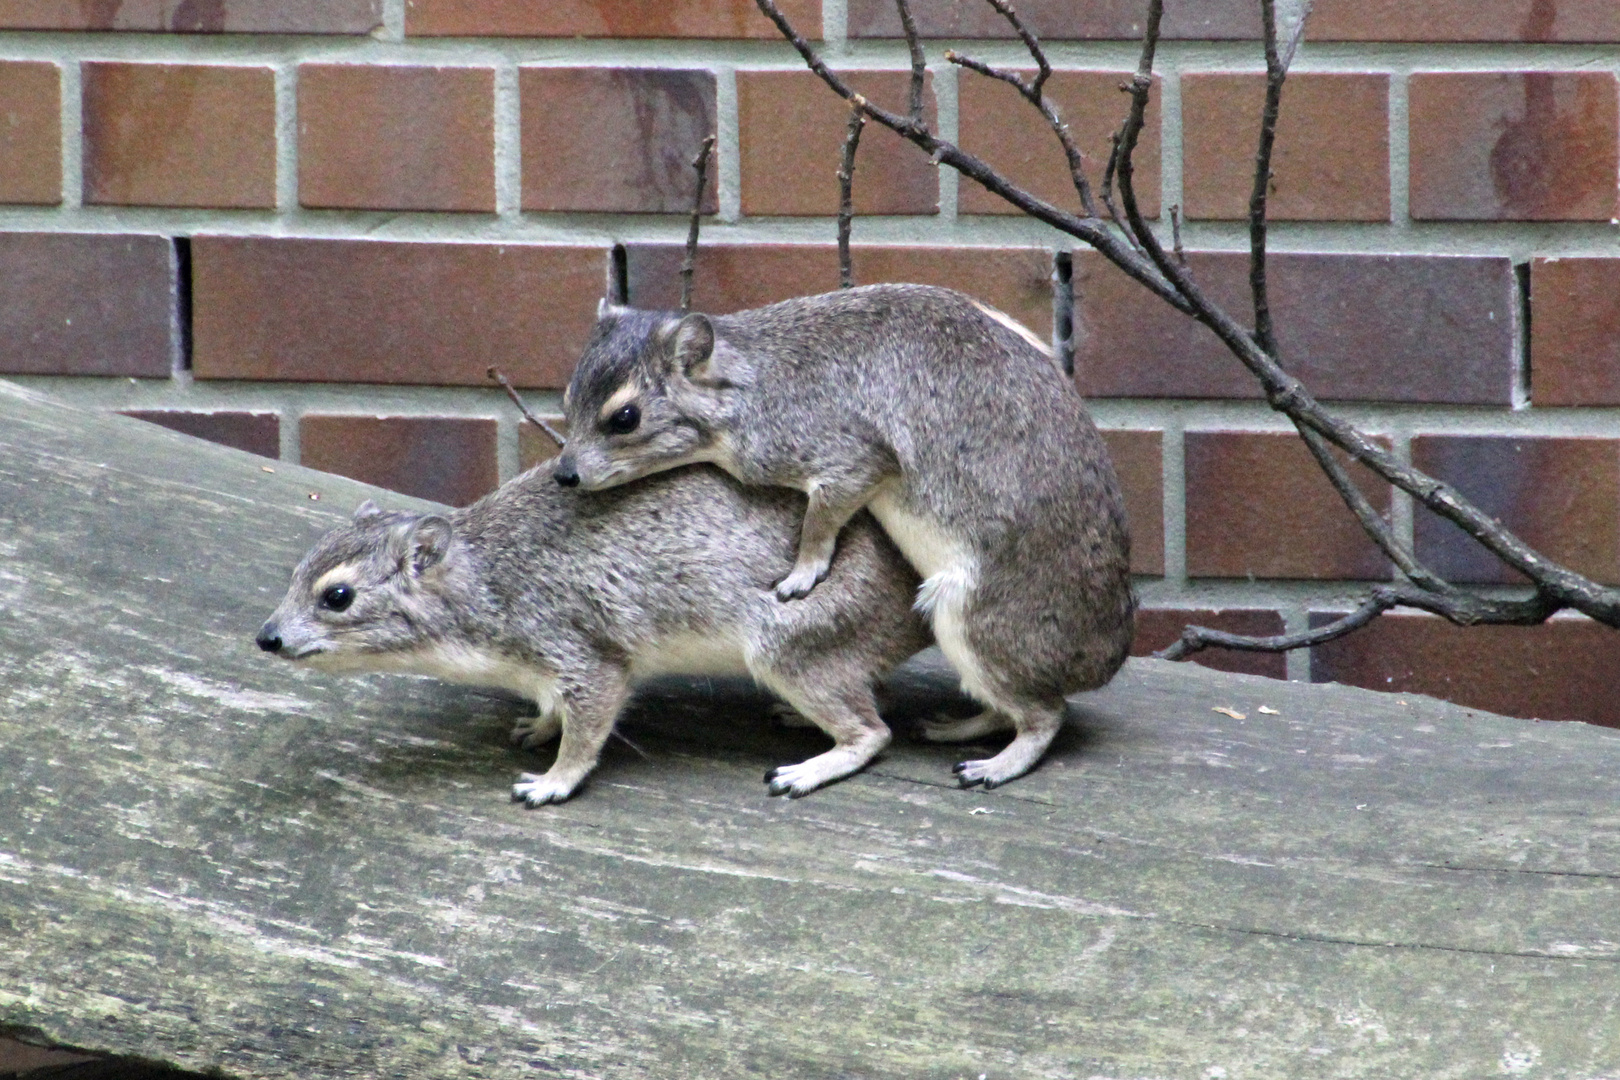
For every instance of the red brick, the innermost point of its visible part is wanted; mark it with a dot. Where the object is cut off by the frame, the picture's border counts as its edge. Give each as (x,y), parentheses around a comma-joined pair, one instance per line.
(1464,20)
(1159,628)
(606,18)
(792,134)
(1139,461)
(179,135)
(1331,160)
(396,137)
(1561,496)
(1058,19)
(88,304)
(256,432)
(1514,146)
(446,459)
(736,277)
(1405,328)
(30,133)
(1561,670)
(384,312)
(997,124)
(1575,331)
(615,139)
(196,16)
(1258,506)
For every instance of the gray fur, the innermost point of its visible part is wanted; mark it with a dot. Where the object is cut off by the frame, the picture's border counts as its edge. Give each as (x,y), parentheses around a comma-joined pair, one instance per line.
(968,443)
(570,598)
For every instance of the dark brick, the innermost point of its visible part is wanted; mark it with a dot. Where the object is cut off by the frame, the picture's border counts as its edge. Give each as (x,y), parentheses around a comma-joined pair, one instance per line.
(87,304)
(1561,670)
(1514,146)
(30,133)
(1561,496)
(196,16)
(1159,628)
(1465,20)
(606,18)
(396,137)
(446,459)
(1331,160)
(257,433)
(1139,461)
(385,312)
(736,277)
(1058,19)
(1575,331)
(997,125)
(1406,328)
(1258,506)
(179,135)
(615,139)
(792,133)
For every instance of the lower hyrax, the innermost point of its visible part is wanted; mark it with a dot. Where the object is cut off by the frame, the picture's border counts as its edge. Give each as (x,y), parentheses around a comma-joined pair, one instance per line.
(946,419)
(569,599)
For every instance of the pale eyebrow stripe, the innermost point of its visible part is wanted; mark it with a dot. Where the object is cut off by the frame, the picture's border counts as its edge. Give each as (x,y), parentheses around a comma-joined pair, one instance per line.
(621,397)
(342,570)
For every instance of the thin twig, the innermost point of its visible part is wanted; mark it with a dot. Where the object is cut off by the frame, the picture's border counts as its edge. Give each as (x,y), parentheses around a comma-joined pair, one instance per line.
(846,183)
(919,63)
(1264,336)
(500,377)
(701,165)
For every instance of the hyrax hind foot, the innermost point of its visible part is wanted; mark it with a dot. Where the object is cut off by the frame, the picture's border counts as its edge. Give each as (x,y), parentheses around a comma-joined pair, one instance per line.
(538,790)
(1037,727)
(944,728)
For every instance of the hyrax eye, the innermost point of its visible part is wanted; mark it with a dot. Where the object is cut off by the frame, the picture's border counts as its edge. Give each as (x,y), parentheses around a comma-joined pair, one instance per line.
(337,598)
(624,421)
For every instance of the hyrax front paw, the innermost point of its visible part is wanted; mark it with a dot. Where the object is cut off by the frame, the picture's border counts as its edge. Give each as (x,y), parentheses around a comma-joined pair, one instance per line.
(534,731)
(538,790)
(799,583)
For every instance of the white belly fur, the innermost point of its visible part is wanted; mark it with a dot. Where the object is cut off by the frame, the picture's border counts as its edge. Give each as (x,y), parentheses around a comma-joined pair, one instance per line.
(690,654)
(949,572)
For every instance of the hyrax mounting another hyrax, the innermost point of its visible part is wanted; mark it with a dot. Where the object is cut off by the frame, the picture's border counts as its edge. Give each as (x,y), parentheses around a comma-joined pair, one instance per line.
(943,416)
(569,599)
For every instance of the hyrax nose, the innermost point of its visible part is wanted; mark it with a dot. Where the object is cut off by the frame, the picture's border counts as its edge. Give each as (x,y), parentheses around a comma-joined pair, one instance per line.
(269,640)
(566,474)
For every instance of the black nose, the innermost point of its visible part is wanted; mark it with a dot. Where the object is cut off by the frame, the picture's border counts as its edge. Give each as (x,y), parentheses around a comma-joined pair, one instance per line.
(566,475)
(268,639)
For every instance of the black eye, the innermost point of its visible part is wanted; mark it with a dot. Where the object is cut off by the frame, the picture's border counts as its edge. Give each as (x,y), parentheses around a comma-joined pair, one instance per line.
(624,421)
(337,598)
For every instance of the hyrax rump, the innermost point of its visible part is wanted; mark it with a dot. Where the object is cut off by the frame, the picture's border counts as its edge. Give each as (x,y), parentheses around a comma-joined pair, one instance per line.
(946,419)
(569,599)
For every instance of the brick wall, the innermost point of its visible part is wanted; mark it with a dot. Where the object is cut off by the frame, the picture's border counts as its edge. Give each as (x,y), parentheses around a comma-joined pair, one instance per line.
(306,227)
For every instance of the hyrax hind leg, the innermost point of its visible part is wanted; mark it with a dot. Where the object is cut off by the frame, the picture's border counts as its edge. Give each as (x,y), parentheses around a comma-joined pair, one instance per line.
(843,708)
(1034,720)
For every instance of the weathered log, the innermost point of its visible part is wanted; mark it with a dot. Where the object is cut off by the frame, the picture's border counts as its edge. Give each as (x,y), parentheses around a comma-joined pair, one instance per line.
(213,859)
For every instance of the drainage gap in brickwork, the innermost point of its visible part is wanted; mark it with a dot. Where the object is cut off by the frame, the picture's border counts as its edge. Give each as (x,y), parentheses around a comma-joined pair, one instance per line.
(1521,376)
(182,299)
(1063,309)
(619,276)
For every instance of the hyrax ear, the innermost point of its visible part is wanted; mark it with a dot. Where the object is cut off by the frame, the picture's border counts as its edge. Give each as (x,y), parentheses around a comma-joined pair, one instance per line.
(692,346)
(366,511)
(426,542)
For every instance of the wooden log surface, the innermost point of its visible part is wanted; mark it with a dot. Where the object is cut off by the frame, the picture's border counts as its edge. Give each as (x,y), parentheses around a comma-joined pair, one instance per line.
(217,860)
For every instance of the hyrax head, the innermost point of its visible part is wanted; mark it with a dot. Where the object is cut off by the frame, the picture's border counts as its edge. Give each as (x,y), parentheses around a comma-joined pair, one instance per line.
(369,589)
(643,397)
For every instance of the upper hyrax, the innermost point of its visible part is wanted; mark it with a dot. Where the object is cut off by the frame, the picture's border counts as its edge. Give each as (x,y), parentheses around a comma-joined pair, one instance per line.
(942,416)
(569,598)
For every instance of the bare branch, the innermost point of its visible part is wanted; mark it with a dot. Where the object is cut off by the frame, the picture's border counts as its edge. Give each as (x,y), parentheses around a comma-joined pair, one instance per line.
(1175,235)
(551,432)
(846,182)
(701,165)
(919,63)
